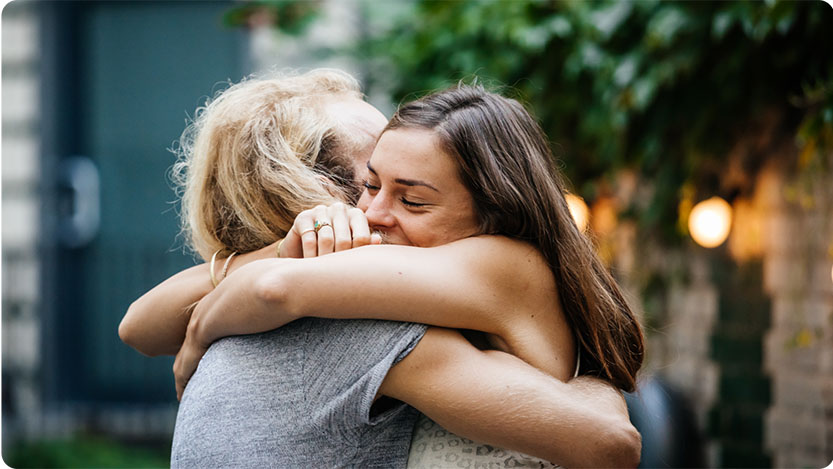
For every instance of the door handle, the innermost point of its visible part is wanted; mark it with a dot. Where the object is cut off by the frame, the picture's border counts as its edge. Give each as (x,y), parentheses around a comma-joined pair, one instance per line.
(79,184)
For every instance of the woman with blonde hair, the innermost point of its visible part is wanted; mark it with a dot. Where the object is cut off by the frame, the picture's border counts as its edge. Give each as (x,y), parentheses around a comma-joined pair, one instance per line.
(452,285)
(254,157)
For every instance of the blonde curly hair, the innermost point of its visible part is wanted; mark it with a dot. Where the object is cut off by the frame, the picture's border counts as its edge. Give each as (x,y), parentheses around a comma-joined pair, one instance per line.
(259,153)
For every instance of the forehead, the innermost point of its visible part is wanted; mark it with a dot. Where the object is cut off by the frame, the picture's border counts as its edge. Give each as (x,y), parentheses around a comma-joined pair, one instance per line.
(413,153)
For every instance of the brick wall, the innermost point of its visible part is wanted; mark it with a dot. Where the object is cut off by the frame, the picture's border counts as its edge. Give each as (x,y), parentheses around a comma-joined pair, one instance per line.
(799,346)
(743,392)
(692,310)
(747,330)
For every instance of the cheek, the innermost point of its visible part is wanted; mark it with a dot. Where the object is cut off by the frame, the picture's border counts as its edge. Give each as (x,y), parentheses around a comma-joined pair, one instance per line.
(443,229)
(465,224)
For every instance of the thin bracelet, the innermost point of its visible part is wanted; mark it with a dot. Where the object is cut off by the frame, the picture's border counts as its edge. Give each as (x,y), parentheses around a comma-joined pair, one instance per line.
(211,268)
(279,246)
(225,266)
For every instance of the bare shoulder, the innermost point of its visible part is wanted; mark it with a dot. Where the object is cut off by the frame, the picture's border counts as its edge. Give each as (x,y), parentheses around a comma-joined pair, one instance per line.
(522,286)
(509,261)
(497,242)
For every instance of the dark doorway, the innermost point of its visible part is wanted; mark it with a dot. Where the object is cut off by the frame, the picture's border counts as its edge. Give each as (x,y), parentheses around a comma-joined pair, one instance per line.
(119,79)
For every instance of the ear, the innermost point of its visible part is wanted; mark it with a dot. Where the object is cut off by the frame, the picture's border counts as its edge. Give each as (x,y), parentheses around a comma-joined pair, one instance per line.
(329,185)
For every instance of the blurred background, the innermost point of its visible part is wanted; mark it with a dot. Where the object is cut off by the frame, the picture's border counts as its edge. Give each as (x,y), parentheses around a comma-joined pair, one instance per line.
(697,136)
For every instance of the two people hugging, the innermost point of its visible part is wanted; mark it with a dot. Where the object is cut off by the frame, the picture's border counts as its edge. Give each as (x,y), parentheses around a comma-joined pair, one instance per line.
(456,310)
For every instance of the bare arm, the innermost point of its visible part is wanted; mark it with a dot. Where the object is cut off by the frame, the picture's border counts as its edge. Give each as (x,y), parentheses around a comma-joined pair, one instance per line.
(155,323)
(495,398)
(455,286)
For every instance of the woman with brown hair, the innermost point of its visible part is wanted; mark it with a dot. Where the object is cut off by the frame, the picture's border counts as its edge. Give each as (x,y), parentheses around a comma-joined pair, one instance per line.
(468,175)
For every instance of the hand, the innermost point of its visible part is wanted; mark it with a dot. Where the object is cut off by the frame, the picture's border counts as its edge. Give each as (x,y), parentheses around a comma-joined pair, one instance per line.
(340,227)
(188,357)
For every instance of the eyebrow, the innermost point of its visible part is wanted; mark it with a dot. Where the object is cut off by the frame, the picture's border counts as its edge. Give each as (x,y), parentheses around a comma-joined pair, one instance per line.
(406,182)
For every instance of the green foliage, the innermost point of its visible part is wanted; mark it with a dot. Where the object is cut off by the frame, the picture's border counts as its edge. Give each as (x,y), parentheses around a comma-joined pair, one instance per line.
(665,88)
(292,17)
(84,451)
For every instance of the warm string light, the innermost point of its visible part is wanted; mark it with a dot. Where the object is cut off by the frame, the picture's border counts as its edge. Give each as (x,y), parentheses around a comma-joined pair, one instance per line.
(710,221)
(579,210)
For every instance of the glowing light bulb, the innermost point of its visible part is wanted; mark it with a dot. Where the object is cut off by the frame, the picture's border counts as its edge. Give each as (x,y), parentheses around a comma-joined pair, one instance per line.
(579,210)
(710,221)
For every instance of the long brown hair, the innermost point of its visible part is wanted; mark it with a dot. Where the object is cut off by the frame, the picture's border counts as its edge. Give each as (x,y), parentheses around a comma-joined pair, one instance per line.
(505,161)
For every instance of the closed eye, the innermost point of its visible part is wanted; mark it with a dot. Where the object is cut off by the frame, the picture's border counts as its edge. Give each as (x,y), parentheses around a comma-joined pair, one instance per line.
(411,204)
(370,186)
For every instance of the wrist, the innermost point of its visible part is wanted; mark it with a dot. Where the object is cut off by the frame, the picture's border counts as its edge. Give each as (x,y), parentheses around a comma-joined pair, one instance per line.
(197,325)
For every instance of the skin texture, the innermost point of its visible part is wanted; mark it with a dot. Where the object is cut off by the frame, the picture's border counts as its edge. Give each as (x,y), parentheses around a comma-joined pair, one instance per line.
(581,424)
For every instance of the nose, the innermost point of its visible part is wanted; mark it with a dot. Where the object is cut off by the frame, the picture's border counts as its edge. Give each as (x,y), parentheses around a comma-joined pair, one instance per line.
(377,209)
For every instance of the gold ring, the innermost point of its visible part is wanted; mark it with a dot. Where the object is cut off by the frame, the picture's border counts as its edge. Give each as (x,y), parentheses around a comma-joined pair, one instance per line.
(307,231)
(318,225)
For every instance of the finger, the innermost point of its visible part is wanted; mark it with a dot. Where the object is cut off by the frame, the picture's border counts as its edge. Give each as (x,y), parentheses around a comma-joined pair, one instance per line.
(326,236)
(179,377)
(292,245)
(304,228)
(359,227)
(185,364)
(341,227)
(376,238)
(178,384)
(326,240)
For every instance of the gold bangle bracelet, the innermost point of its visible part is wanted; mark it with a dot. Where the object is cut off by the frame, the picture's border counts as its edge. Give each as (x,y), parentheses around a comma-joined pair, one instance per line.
(211,268)
(279,247)
(225,266)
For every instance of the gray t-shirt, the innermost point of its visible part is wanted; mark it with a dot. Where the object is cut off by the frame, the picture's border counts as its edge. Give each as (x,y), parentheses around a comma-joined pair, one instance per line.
(299,396)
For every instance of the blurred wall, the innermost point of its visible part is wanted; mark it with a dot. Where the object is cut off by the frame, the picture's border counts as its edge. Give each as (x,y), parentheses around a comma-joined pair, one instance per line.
(798,350)
(114,82)
(747,333)
(21,207)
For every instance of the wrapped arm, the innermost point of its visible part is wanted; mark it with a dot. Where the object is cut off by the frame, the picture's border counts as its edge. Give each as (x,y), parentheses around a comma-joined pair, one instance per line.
(454,286)
(155,324)
(495,398)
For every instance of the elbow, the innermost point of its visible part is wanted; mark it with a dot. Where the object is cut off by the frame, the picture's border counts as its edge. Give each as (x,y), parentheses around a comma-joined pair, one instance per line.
(273,290)
(125,334)
(128,332)
(624,446)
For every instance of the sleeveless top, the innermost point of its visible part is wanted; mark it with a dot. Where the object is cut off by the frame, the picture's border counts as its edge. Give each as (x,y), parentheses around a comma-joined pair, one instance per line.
(299,396)
(433,447)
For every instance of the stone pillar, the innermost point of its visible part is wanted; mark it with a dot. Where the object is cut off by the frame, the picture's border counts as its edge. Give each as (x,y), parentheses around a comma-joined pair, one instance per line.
(20,176)
(798,255)
(692,312)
